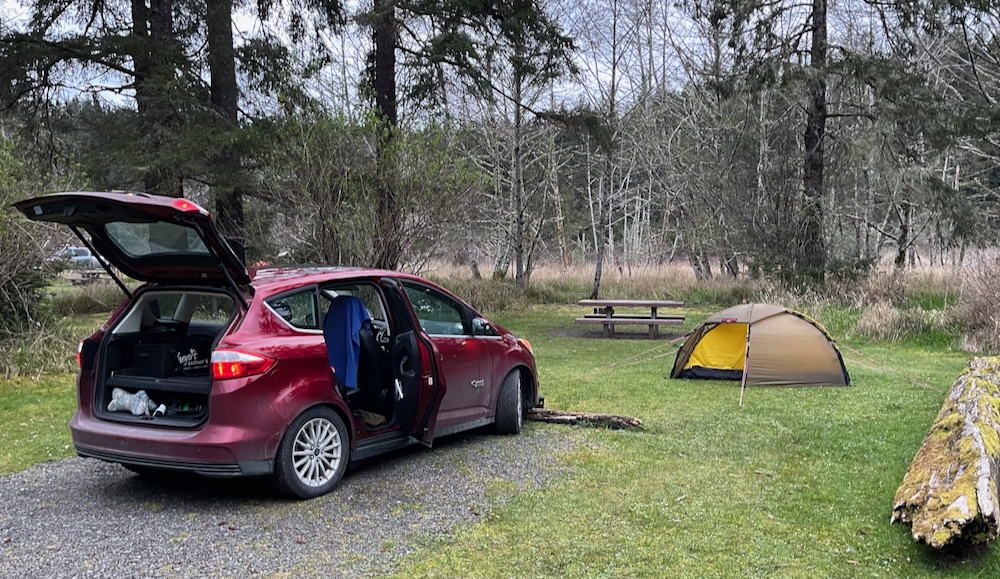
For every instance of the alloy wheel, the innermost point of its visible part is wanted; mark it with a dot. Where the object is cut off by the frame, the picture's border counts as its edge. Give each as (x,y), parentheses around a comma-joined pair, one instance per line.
(317,452)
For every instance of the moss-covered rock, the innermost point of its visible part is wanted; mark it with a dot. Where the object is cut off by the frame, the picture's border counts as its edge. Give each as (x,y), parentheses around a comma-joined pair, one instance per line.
(949,493)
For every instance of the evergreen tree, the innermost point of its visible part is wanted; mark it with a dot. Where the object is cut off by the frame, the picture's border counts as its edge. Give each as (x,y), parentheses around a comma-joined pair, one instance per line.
(464,39)
(167,125)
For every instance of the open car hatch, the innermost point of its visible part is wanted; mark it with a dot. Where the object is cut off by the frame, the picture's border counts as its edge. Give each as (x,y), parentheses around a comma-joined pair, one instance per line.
(148,237)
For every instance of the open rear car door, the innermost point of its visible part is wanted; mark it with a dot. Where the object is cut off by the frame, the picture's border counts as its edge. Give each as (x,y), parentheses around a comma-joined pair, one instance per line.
(148,237)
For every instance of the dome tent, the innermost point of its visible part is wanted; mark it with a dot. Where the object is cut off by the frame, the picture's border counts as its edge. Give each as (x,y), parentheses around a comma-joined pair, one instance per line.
(776,345)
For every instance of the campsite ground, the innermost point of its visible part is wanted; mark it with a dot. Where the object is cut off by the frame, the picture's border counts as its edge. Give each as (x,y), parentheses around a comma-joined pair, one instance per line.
(797,483)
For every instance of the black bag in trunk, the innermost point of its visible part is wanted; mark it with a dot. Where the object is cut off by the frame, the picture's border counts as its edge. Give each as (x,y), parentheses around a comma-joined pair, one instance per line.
(155,360)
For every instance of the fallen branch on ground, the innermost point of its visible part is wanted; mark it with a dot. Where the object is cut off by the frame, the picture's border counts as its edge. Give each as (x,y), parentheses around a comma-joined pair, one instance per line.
(949,493)
(612,421)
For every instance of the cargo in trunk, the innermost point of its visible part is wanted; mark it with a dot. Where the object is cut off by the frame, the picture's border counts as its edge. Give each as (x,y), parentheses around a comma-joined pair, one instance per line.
(163,346)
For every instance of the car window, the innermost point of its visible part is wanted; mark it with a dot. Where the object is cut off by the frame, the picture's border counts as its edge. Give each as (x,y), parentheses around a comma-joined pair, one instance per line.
(144,239)
(367,293)
(298,309)
(437,313)
(212,308)
(168,308)
(163,306)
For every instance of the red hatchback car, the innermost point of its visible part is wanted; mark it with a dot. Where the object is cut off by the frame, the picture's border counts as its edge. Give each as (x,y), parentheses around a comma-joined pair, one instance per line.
(286,372)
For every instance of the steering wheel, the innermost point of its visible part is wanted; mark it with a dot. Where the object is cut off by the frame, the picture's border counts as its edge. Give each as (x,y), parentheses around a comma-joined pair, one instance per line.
(381,332)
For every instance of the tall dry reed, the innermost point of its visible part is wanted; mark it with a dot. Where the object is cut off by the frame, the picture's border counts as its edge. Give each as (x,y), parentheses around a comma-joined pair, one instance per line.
(979,306)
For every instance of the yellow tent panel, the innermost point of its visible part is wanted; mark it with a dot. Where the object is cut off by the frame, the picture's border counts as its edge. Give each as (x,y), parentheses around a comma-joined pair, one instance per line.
(721,348)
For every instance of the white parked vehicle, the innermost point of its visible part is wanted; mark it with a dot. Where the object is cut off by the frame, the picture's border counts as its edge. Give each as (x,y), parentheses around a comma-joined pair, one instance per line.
(80,265)
(78,258)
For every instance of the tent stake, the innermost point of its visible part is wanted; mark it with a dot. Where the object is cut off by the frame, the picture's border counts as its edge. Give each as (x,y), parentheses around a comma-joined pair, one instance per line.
(746,357)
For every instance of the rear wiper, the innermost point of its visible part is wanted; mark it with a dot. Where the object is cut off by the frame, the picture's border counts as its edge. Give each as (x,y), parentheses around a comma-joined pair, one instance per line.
(100,260)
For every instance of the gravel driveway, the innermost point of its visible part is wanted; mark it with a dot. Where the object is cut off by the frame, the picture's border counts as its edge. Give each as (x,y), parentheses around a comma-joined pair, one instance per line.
(86,518)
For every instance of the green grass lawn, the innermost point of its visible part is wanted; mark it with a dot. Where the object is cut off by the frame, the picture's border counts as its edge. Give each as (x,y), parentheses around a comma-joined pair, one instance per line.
(35,410)
(33,420)
(797,483)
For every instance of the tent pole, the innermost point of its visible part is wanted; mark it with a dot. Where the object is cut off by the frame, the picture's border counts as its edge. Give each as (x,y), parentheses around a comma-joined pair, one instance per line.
(746,358)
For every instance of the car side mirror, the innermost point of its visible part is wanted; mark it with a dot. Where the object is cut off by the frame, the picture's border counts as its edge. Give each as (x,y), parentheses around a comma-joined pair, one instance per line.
(481,327)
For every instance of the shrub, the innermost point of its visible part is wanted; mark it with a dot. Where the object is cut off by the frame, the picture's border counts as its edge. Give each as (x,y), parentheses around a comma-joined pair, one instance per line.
(884,321)
(977,306)
(486,295)
(40,350)
(21,275)
(93,298)
(878,287)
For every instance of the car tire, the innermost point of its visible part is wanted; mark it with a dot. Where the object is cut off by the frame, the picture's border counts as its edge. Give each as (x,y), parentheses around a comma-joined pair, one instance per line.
(313,454)
(510,405)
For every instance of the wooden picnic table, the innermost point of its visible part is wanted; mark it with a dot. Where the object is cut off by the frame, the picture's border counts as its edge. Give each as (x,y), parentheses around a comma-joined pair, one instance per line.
(604,314)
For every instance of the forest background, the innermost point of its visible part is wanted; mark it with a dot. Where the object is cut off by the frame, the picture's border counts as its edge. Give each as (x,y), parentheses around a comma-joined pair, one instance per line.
(795,145)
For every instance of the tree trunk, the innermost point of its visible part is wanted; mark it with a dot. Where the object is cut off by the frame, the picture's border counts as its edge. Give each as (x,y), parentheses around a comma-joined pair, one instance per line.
(700,262)
(518,185)
(813,263)
(535,235)
(557,199)
(225,92)
(154,71)
(161,23)
(604,217)
(384,69)
(590,197)
(225,95)
(140,55)
(949,493)
(383,79)
(732,267)
(903,241)
(695,264)
(473,250)
(608,149)
(502,262)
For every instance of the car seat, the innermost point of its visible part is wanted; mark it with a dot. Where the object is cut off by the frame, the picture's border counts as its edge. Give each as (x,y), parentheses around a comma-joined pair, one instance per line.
(344,319)
(359,364)
(374,377)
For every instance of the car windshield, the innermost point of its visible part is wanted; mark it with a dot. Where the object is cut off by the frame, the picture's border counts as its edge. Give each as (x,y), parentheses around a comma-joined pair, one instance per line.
(143,239)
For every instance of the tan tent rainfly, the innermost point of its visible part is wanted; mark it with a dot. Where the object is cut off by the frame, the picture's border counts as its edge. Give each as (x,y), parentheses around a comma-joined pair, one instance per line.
(786,348)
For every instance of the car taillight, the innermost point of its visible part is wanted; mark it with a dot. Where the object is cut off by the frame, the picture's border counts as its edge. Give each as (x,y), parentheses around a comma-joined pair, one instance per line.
(79,355)
(527,345)
(189,206)
(227,364)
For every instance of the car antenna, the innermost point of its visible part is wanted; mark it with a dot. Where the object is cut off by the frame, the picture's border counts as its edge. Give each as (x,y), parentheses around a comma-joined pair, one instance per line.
(100,259)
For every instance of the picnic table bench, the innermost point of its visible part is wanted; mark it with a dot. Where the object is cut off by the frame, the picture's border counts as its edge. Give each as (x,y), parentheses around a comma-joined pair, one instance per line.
(604,313)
